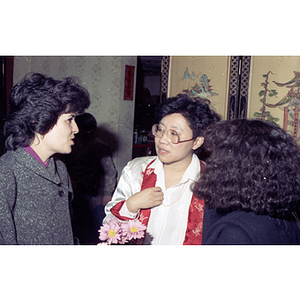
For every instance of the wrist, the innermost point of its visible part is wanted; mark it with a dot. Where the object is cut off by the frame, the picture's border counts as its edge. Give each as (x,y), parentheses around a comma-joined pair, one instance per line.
(131,207)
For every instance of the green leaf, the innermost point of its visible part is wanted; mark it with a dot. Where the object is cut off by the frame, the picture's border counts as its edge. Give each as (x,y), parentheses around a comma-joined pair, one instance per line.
(272,119)
(257,115)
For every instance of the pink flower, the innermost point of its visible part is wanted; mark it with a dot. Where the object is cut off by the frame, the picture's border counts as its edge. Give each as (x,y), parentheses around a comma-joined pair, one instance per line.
(133,229)
(117,232)
(102,244)
(111,232)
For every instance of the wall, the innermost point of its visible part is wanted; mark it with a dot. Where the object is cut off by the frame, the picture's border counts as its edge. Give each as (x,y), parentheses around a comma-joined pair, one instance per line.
(103,76)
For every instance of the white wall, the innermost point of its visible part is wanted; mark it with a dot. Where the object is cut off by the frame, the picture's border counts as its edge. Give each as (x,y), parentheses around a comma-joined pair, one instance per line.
(103,76)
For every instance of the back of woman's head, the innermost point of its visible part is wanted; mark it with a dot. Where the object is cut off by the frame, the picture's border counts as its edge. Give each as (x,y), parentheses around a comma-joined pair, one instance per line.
(253,165)
(87,125)
(197,112)
(35,105)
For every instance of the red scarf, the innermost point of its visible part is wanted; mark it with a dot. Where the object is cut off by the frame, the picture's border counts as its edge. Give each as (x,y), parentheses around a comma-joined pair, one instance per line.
(193,234)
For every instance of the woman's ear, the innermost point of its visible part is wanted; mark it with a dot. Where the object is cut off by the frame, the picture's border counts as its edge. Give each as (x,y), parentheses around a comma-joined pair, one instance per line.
(198,142)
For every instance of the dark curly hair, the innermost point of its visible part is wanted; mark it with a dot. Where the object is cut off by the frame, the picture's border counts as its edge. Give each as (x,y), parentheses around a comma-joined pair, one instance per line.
(197,111)
(253,166)
(35,105)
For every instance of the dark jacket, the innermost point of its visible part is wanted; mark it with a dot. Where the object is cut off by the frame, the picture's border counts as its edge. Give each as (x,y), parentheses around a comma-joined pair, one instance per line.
(247,228)
(34,201)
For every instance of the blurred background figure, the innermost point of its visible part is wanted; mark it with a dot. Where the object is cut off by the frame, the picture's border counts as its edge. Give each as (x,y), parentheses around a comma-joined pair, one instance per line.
(94,178)
(250,185)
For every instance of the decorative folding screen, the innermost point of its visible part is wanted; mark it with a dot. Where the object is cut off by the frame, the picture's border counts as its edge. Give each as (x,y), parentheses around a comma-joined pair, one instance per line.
(274,91)
(224,80)
(261,87)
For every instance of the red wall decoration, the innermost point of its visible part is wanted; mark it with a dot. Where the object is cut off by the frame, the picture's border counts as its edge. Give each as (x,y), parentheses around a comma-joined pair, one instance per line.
(129,82)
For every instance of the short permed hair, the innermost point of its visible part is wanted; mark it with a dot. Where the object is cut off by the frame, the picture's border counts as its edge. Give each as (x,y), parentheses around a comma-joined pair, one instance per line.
(253,166)
(35,105)
(197,112)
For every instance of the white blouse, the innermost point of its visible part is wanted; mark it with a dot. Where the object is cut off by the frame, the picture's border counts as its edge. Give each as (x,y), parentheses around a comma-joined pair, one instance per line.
(167,223)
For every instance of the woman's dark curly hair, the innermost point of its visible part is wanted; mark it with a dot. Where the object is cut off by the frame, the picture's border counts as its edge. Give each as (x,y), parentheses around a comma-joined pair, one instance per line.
(35,105)
(197,111)
(253,166)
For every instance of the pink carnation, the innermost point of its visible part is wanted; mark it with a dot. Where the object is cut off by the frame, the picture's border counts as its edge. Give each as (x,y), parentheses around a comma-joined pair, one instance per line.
(133,229)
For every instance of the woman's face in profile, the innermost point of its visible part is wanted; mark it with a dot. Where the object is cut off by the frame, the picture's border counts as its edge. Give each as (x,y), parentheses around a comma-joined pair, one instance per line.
(59,139)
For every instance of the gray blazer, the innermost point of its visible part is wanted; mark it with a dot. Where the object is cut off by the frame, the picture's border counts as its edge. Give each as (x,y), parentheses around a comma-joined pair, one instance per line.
(34,201)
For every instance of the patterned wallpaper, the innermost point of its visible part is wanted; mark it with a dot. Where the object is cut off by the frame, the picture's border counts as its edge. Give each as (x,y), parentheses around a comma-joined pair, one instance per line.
(103,76)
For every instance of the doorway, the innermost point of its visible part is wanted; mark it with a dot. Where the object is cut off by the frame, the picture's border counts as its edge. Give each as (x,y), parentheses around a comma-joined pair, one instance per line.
(148,96)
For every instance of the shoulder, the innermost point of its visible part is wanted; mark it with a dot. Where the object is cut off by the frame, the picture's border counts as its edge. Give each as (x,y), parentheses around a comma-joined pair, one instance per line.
(135,168)
(237,227)
(18,156)
(8,171)
(139,163)
(7,160)
(6,157)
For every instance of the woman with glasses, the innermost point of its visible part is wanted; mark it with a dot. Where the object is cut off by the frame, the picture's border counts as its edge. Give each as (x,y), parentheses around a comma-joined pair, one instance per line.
(157,190)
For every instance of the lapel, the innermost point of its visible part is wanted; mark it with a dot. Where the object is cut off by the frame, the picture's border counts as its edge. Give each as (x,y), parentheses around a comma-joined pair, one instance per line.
(28,161)
(149,180)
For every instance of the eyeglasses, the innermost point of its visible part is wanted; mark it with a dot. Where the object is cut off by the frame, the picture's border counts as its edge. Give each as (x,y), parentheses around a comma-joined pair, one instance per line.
(172,135)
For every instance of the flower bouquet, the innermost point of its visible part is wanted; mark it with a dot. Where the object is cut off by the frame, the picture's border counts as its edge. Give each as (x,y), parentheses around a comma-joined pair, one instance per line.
(121,232)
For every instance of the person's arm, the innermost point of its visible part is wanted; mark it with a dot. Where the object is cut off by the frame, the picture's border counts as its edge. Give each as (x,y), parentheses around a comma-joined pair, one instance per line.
(128,199)
(126,187)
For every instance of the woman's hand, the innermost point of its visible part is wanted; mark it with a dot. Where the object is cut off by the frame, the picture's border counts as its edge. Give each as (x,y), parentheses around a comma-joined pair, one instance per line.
(146,198)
